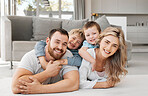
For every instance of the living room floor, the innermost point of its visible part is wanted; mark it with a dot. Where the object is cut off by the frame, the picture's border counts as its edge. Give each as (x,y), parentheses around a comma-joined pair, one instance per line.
(137,66)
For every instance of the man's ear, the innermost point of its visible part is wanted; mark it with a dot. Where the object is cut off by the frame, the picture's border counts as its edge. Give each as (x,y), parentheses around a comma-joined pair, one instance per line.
(47,40)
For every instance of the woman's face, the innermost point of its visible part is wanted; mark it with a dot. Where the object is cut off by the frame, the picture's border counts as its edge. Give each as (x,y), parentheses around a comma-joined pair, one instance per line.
(109,45)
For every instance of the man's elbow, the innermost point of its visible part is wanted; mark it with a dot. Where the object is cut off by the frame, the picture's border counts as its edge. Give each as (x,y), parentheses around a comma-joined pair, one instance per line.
(15,90)
(75,86)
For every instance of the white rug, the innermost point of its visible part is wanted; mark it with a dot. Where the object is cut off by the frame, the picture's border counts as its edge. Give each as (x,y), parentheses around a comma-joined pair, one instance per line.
(131,85)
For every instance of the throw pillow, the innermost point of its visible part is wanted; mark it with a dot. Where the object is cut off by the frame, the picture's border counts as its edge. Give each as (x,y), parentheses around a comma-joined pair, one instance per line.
(116,26)
(103,22)
(42,27)
(73,24)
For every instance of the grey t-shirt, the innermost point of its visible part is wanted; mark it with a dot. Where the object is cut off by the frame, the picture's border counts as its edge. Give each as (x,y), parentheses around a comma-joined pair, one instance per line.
(31,63)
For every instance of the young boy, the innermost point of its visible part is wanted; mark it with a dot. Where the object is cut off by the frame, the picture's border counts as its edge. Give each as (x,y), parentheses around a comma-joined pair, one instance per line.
(91,31)
(76,38)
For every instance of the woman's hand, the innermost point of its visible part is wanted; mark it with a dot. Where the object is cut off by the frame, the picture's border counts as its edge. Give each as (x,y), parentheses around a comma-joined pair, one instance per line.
(105,84)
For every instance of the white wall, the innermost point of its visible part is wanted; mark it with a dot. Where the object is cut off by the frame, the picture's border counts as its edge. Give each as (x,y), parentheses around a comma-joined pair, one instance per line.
(88,9)
(0,28)
(120,21)
(2,13)
(0,34)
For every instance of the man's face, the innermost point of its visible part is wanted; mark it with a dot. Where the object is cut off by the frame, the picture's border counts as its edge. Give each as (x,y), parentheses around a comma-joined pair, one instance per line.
(57,45)
(74,41)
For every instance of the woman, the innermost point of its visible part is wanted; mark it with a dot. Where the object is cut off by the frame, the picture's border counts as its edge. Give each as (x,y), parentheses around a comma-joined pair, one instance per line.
(110,56)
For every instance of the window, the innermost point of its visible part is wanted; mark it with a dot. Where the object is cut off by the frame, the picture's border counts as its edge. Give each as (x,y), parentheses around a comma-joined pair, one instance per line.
(45,8)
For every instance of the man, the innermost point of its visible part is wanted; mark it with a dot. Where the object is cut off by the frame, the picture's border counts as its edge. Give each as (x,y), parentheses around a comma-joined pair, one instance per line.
(30,78)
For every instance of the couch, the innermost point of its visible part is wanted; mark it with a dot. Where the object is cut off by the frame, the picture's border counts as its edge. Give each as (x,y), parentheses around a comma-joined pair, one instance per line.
(20,33)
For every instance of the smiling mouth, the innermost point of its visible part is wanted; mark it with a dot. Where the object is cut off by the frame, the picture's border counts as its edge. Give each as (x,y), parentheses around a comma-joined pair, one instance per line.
(107,52)
(72,44)
(58,51)
(92,40)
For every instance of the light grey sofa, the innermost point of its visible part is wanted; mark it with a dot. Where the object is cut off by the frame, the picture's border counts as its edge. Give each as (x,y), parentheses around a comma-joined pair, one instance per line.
(20,34)
(18,37)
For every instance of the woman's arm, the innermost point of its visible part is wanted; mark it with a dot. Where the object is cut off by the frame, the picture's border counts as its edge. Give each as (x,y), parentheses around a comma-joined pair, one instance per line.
(84,73)
(103,85)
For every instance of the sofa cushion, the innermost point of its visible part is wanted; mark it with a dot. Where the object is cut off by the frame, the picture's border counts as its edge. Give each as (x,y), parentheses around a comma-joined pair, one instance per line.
(23,45)
(42,27)
(20,48)
(103,22)
(73,24)
(21,27)
(116,26)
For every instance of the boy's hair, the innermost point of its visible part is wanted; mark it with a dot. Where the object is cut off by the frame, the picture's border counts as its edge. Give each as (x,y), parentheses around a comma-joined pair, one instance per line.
(62,31)
(79,32)
(90,24)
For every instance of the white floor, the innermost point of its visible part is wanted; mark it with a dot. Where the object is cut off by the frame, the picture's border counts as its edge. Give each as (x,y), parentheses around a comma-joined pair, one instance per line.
(134,84)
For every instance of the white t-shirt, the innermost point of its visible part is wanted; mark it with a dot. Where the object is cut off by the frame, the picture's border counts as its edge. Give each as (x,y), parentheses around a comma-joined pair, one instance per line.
(31,63)
(88,78)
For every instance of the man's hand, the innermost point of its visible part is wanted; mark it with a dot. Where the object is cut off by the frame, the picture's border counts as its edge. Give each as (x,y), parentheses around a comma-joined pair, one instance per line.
(53,69)
(23,78)
(30,88)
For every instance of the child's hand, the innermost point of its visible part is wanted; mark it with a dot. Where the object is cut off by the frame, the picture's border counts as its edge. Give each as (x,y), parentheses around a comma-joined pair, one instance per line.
(93,64)
(57,62)
(44,64)
(61,61)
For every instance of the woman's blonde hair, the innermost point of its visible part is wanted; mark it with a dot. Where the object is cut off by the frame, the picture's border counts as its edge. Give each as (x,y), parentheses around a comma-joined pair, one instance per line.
(115,64)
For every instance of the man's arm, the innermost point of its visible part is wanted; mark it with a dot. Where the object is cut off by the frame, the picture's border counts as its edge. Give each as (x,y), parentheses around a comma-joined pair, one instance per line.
(23,74)
(69,83)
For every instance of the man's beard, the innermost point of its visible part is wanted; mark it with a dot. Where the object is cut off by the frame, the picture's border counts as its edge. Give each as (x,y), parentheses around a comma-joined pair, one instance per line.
(55,56)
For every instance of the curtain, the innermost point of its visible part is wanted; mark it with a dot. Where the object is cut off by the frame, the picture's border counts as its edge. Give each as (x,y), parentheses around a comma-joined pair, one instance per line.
(79,9)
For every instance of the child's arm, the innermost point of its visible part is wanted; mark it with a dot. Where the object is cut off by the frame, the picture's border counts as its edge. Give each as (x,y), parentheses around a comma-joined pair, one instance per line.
(40,53)
(43,62)
(73,61)
(85,55)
